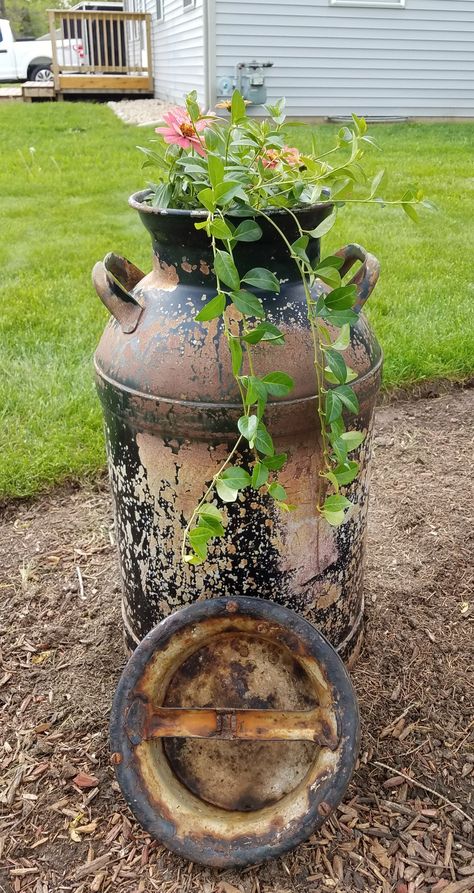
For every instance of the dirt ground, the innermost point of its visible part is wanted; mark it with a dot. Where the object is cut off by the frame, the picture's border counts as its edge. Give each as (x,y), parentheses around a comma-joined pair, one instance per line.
(406,823)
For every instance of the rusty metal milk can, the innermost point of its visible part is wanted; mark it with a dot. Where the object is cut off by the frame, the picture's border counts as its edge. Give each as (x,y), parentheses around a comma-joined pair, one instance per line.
(171,405)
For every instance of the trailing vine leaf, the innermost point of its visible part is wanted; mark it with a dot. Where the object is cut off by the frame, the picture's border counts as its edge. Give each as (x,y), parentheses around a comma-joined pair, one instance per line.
(259,277)
(347,396)
(247,303)
(333,509)
(278,383)
(215,307)
(336,364)
(277,492)
(247,231)
(332,407)
(263,441)
(265,331)
(247,426)
(352,439)
(259,475)
(325,226)
(236,354)
(274,463)
(225,269)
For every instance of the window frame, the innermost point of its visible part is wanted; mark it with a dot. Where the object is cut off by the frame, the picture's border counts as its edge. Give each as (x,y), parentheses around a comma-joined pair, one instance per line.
(160,4)
(369,4)
(188,4)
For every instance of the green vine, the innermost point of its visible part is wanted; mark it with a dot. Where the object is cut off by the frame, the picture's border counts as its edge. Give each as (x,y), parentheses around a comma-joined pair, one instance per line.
(238,170)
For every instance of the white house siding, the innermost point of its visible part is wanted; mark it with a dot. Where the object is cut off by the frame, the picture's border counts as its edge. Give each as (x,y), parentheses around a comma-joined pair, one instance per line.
(178,48)
(331,60)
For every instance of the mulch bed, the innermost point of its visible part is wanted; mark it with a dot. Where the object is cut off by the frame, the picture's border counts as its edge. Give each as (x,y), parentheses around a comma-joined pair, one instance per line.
(406,823)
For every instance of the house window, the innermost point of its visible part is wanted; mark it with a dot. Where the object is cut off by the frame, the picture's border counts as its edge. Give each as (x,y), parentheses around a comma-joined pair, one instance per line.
(159,10)
(189,4)
(381,4)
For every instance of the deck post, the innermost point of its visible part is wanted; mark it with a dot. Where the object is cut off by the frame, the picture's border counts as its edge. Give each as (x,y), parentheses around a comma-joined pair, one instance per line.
(52,32)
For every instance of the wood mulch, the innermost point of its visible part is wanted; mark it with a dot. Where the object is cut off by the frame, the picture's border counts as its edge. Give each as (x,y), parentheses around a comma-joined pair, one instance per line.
(406,823)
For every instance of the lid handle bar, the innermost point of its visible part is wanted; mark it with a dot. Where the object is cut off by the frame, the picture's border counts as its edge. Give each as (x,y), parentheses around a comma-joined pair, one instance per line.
(318,725)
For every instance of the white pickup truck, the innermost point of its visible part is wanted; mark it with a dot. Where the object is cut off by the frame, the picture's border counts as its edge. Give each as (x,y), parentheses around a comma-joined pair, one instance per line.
(30,60)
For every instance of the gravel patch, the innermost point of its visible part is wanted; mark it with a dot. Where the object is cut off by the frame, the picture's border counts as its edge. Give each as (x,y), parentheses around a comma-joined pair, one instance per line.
(141,112)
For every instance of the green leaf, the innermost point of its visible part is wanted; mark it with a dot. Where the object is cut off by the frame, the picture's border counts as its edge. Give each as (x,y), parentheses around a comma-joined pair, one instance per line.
(334,508)
(225,193)
(214,308)
(211,139)
(208,510)
(247,426)
(255,389)
(219,229)
(235,477)
(347,397)
(360,124)
(346,472)
(259,277)
(378,181)
(235,353)
(238,109)
(259,475)
(247,231)
(274,463)
(207,198)
(299,247)
(199,543)
(265,331)
(226,493)
(332,407)
(336,365)
(410,212)
(352,439)
(212,524)
(343,339)
(278,383)
(225,269)
(324,226)
(277,491)
(247,303)
(216,169)
(330,276)
(342,298)
(263,441)
(339,317)
(332,261)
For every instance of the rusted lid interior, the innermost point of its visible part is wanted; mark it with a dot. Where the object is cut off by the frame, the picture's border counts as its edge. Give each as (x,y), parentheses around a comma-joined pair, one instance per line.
(234,731)
(241,671)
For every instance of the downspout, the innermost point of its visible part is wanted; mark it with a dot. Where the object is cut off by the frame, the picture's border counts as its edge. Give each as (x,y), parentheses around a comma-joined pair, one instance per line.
(209,28)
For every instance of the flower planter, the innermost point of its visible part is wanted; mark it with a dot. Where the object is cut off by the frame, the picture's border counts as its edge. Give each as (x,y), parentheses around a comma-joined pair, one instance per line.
(171,404)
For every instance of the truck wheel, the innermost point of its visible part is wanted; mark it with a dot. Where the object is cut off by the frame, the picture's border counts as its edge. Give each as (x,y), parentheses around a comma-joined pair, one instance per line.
(41,73)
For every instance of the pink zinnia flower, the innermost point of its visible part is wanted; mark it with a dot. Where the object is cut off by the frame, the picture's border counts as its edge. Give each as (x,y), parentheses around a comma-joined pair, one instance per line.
(291,155)
(181,131)
(271,158)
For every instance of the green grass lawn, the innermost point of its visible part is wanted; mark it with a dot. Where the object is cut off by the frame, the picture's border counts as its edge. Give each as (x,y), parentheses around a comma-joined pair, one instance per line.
(66,171)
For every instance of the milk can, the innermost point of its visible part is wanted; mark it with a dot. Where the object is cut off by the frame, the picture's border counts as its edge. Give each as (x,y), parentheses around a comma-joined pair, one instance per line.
(171,405)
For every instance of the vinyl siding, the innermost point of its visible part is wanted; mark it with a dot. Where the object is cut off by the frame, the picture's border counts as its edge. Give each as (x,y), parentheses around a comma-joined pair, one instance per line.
(331,60)
(178,48)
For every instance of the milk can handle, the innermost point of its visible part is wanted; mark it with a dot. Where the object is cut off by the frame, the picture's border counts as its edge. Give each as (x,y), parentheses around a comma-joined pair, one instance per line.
(366,277)
(113,278)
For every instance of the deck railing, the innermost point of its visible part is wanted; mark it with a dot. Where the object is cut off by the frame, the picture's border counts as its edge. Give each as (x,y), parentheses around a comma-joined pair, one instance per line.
(106,45)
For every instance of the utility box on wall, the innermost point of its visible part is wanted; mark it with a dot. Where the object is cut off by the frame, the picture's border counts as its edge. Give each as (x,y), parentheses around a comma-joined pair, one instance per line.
(249,79)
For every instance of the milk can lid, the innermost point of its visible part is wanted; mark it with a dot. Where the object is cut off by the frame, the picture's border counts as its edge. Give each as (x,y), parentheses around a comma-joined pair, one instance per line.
(234,731)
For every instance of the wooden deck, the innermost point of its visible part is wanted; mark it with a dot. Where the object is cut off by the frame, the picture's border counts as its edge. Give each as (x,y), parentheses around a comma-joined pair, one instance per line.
(101,53)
